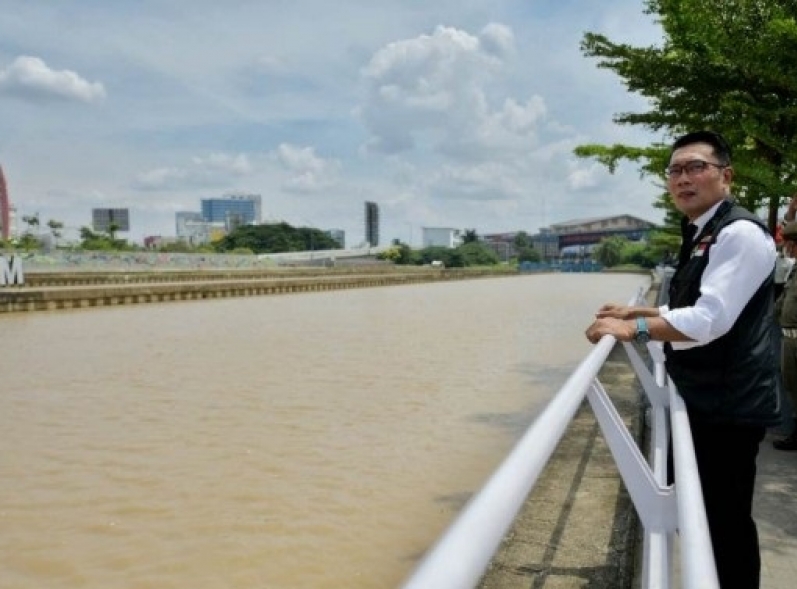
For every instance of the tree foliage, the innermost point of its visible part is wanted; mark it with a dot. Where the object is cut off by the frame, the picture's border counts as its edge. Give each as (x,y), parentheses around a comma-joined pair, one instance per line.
(528,254)
(609,251)
(731,68)
(398,253)
(615,250)
(91,241)
(470,236)
(522,240)
(276,238)
(468,254)
(477,253)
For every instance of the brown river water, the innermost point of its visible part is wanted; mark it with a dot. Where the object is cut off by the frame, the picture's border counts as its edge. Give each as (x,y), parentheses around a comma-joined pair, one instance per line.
(319,440)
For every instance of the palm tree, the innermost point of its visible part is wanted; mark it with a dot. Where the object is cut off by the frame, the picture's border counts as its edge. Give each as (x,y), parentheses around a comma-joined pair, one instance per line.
(55,229)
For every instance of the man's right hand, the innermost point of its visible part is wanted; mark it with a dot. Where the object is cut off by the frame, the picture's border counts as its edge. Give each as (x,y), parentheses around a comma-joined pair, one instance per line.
(616,312)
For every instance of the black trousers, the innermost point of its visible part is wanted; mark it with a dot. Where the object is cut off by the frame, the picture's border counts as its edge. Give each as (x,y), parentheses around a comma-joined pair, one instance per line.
(726,461)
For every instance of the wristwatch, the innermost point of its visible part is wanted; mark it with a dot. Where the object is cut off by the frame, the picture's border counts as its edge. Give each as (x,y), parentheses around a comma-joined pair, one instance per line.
(642,332)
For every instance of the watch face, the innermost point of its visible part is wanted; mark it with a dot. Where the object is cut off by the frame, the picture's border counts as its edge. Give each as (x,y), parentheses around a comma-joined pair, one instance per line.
(642,334)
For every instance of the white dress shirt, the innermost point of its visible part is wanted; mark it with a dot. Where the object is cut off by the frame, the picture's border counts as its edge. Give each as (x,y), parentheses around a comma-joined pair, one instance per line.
(739,262)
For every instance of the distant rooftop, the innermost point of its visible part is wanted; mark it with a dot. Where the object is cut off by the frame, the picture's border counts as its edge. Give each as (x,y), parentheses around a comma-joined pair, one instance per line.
(590,220)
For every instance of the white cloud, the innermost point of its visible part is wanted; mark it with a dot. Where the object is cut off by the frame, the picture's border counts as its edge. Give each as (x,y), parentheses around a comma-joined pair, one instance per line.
(430,86)
(297,169)
(467,111)
(499,40)
(215,170)
(307,173)
(585,176)
(485,181)
(32,78)
(238,164)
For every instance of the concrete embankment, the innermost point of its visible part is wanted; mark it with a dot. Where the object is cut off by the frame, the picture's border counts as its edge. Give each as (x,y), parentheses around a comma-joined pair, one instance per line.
(65,290)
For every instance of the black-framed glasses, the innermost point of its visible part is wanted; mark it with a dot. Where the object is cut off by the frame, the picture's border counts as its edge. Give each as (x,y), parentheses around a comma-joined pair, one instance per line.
(692,168)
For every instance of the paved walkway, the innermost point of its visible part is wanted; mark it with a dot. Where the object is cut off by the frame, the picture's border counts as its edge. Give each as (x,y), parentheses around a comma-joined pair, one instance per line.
(775,511)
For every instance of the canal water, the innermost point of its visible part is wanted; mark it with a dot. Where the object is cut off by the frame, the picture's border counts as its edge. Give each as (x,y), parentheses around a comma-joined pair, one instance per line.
(319,440)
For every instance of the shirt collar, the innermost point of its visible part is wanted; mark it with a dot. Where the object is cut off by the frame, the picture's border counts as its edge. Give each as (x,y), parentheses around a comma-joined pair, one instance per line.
(705,217)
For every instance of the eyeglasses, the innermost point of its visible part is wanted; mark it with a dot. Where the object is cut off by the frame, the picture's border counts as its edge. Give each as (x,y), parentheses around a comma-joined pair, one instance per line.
(692,168)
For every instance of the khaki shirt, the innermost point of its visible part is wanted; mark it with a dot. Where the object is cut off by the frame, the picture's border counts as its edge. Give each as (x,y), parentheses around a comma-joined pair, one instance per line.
(786,305)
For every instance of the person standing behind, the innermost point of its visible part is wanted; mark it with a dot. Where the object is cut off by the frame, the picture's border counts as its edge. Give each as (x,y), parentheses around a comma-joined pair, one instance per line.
(786,311)
(784,262)
(717,329)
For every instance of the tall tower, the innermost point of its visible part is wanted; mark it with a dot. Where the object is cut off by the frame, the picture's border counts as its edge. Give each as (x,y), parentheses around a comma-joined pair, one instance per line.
(5,208)
(372,223)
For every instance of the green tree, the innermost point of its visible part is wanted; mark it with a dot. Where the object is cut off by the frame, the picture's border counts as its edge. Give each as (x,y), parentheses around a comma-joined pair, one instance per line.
(732,69)
(663,245)
(29,240)
(391,254)
(528,254)
(398,253)
(91,241)
(609,251)
(434,253)
(113,229)
(32,221)
(476,253)
(521,241)
(276,238)
(639,254)
(55,228)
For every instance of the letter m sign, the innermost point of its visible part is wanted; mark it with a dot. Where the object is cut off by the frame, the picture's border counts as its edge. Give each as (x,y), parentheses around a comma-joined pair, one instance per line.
(11,271)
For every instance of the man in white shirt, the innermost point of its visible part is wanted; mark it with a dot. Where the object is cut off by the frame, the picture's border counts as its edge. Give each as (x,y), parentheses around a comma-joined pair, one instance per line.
(718,343)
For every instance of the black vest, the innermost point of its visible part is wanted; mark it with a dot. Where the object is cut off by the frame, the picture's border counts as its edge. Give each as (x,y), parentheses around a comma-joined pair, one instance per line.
(732,379)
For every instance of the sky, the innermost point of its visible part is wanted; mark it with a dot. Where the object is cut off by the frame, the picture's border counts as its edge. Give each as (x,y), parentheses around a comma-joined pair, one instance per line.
(446,113)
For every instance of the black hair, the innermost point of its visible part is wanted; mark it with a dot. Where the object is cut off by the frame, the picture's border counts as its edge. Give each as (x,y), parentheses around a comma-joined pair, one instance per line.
(721,148)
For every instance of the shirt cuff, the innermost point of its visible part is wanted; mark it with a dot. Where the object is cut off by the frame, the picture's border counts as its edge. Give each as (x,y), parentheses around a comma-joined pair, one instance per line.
(673,318)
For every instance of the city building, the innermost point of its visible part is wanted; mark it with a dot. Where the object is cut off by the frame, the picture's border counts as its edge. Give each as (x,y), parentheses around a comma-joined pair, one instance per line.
(182,218)
(602,224)
(233,210)
(441,237)
(104,219)
(578,237)
(503,244)
(203,232)
(372,223)
(339,235)
(186,223)
(546,242)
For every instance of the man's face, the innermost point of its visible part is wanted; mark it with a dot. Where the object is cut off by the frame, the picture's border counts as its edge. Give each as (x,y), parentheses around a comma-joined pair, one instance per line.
(696,191)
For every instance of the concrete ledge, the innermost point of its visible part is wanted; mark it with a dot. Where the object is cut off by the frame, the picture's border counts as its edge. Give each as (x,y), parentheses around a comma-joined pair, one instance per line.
(40,278)
(189,286)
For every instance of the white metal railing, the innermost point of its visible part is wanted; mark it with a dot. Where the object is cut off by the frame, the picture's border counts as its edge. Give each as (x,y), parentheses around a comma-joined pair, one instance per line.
(460,557)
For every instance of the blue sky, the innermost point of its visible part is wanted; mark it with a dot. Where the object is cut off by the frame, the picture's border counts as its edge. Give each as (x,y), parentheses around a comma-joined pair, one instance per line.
(447,113)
